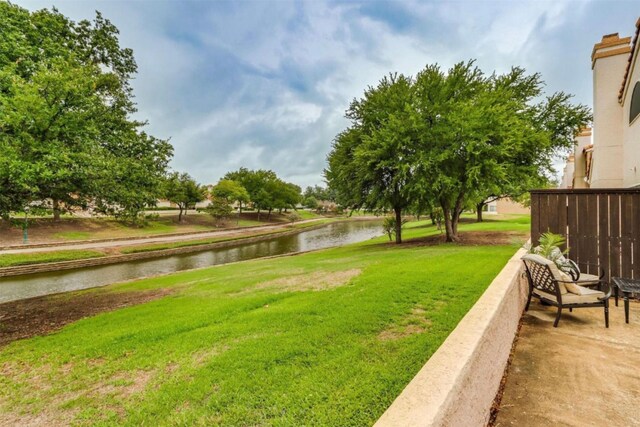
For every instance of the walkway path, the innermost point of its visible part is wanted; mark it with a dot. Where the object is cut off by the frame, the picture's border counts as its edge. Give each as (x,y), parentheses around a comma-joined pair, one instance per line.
(578,374)
(152,239)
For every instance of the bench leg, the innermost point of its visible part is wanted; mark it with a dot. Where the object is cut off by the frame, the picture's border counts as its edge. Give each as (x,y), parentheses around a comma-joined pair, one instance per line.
(626,307)
(526,307)
(555,324)
(606,313)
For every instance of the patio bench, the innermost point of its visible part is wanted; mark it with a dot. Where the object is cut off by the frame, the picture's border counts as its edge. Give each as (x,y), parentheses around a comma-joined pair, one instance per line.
(550,285)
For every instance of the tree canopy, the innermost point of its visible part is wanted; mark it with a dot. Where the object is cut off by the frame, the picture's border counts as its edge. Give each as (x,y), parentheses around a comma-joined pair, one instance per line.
(66,132)
(183,190)
(369,163)
(266,191)
(450,140)
(231,191)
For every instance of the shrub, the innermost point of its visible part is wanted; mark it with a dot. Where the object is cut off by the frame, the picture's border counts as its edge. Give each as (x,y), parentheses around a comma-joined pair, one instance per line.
(389,226)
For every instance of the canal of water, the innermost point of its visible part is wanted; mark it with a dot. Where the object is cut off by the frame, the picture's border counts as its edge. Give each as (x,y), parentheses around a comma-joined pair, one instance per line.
(331,235)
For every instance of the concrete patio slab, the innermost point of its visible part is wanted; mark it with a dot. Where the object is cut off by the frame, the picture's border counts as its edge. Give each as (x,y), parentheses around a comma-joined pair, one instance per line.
(579,374)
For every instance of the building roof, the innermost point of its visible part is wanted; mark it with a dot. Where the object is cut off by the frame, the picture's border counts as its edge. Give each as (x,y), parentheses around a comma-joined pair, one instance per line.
(610,45)
(627,72)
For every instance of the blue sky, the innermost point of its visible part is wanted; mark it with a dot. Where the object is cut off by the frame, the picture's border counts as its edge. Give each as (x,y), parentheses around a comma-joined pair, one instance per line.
(265,84)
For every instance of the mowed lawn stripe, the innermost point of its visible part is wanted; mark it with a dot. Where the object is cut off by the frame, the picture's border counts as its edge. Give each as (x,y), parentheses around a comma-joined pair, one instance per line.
(266,342)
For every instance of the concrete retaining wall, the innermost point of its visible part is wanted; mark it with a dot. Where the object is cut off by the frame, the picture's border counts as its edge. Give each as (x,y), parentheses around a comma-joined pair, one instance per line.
(458,384)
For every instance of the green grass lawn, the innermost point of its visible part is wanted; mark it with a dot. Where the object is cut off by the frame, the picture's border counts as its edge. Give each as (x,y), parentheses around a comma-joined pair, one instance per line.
(10,260)
(307,214)
(325,338)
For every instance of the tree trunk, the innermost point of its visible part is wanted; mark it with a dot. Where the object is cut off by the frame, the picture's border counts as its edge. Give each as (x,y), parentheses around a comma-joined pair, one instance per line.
(258,214)
(180,214)
(398,212)
(433,218)
(448,224)
(455,217)
(269,216)
(56,210)
(479,207)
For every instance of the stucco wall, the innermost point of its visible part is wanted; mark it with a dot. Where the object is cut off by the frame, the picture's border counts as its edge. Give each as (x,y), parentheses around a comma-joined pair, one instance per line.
(631,133)
(508,206)
(458,384)
(579,160)
(607,118)
(567,174)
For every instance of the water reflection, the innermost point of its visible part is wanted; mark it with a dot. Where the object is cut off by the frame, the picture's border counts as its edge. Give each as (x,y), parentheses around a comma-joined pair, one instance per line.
(13,288)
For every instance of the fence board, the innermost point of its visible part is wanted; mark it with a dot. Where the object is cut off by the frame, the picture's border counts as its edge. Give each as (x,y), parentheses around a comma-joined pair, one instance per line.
(590,235)
(573,238)
(614,237)
(603,233)
(535,219)
(562,217)
(636,240)
(601,226)
(626,233)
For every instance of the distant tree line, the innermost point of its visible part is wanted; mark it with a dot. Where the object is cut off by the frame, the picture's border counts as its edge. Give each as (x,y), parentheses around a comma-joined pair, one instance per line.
(264,189)
(448,141)
(317,197)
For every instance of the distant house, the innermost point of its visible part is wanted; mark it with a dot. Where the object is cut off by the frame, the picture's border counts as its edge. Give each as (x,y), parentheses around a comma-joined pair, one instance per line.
(506,206)
(608,156)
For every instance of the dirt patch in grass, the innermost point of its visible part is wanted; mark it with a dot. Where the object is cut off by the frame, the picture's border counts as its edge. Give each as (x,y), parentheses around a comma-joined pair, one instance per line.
(316,281)
(114,392)
(472,238)
(124,384)
(45,418)
(413,323)
(201,357)
(43,315)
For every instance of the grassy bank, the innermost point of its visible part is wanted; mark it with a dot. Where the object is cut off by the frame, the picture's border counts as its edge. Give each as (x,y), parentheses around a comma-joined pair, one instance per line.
(325,338)
(199,242)
(10,260)
(45,230)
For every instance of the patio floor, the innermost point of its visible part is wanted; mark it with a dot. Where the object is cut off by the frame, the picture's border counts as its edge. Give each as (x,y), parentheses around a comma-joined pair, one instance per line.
(578,374)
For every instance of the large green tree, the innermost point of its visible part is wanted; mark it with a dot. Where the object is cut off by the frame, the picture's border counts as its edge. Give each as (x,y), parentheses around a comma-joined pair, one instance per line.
(481,135)
(65,117)
(368,166)
(449,140)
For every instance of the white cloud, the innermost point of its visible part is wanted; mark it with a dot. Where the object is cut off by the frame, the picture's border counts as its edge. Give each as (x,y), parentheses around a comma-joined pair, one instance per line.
(266,84)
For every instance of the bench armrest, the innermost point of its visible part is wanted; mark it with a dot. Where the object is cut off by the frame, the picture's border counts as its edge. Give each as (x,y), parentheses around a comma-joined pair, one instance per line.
(607,291)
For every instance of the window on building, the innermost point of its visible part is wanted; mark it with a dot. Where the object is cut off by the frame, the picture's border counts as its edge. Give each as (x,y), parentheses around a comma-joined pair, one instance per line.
(635,102)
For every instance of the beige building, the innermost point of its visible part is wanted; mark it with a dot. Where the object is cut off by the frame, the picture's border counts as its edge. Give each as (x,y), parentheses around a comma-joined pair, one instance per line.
(609,155)
(506,206)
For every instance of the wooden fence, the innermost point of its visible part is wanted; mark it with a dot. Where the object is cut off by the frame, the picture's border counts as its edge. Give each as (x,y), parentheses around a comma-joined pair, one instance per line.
(601,226)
